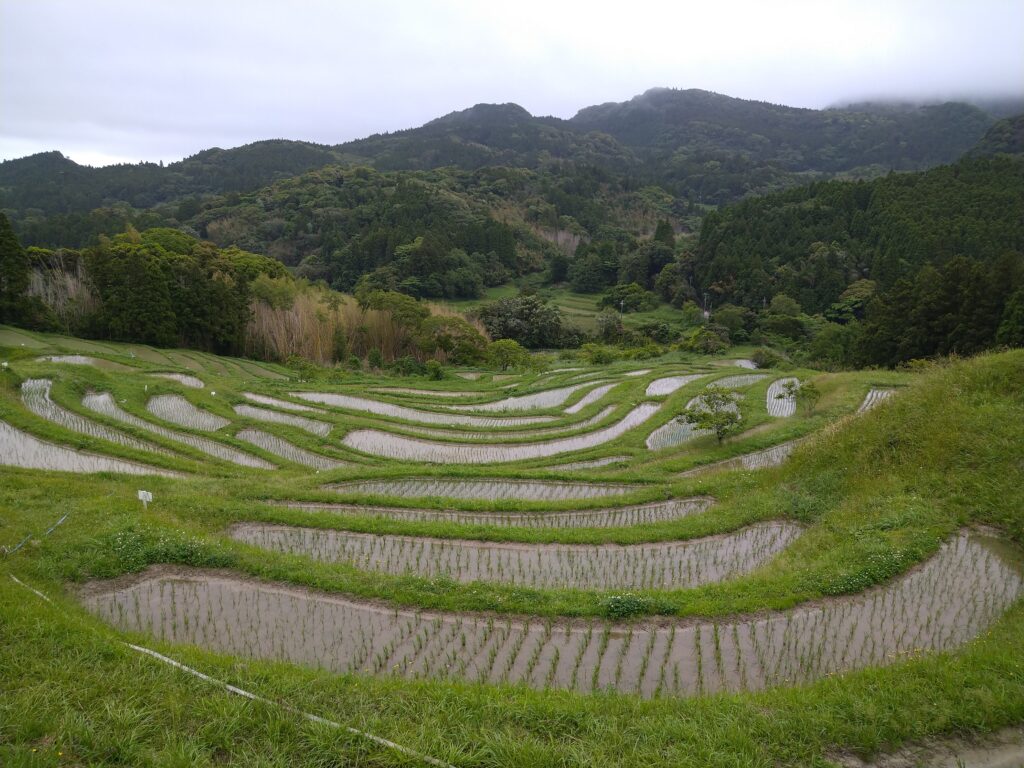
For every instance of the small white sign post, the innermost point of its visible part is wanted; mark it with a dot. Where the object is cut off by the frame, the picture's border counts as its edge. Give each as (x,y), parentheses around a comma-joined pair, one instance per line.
(145,497)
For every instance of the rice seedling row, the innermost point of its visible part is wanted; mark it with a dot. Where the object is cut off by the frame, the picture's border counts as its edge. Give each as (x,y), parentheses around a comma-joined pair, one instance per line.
(284,405)
(485,490)
(319,428)
(678,431)
(781,403)
(104,404)
(874,398)
(612,517)
(281,447)
(737,382)
(593,463)
(492,436)
(669,384)
(390,410)
(35,394)
(769,457)
(640,566)
(386,444)
(20,449)
(952,598)
(182,378)
(177,410)
(549,398)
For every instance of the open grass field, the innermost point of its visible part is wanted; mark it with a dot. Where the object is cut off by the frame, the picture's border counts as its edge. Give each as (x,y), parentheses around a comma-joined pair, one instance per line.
(501,572)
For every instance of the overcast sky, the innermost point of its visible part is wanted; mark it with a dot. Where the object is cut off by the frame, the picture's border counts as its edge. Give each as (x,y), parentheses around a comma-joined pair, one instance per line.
(127,80)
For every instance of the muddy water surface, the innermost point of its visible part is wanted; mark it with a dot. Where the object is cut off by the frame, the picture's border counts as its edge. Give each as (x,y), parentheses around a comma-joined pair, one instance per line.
(938,606)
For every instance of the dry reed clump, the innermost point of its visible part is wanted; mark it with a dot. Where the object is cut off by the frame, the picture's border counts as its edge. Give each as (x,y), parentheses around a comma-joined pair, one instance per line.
(61,285)
(20,449)
(952,598)
(319,326)
(663,565)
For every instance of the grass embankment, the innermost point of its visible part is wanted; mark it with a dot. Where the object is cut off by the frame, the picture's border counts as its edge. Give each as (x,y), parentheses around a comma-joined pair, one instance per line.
(877,494)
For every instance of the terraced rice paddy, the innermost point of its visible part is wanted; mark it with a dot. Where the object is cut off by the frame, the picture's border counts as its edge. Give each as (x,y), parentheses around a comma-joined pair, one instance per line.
(281,447)
(499,575)
(493,436)
(779,403)
(738,382)
(951,599)
(182,378)
(484,490)
(380,443)
(95,362)
(594,463)
(422,392)
(282,404)
(650,566)
(590,398)
(669,384)
(20,449)
(320,428)
(379,408)
(35,394)
(678,431)
(769,457)
(612,517)
(874,398)
(547,399)
(177,410)
(104,404)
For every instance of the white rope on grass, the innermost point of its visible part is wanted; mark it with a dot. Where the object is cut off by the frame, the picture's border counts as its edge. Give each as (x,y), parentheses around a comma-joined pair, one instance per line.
(30,589)
(255,697)
(21,543)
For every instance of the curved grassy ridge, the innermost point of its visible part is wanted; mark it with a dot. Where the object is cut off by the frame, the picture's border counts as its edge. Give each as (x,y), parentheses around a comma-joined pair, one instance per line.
(878,494)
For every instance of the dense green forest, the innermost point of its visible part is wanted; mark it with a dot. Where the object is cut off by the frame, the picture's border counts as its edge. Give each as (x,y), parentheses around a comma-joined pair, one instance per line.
(625,202)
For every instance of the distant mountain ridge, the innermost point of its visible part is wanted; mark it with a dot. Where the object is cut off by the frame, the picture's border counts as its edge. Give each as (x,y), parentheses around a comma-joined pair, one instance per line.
(697,144)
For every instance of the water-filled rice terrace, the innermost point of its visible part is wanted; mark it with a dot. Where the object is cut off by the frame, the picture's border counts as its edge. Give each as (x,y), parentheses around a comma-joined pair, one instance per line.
(563,530)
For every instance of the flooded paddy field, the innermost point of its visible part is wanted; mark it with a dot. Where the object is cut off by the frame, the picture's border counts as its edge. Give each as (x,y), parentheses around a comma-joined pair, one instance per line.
(484,490)
(942,604)
(20,449)
(665,565)
(313,426)
(611,517)
(177,410)
(777,401)
(387,444)
(103,403)
(293,453)
(390,410)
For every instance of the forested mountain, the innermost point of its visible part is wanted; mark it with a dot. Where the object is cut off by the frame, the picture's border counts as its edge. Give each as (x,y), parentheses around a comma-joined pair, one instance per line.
(932,262)
(51,183)
(1005,137)
(706,147)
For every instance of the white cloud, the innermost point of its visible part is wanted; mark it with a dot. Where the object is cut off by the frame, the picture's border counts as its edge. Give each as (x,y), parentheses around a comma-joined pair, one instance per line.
(161,79)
